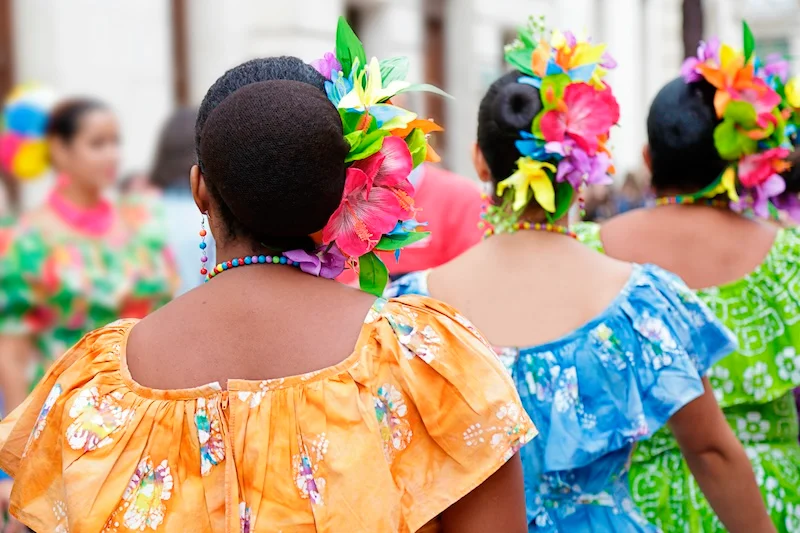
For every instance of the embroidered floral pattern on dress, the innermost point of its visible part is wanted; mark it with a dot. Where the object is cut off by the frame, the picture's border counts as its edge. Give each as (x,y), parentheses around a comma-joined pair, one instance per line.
(306,467)
(144,498)
(391,410)
(41,420)
(246,523)
(757,380)
(662,344)
(209,431)
(423,343)
(507,436)
(96,419)
(789,365)
(254,398)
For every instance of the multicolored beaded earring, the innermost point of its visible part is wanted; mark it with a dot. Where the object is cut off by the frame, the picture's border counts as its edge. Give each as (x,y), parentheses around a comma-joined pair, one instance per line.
(203,246)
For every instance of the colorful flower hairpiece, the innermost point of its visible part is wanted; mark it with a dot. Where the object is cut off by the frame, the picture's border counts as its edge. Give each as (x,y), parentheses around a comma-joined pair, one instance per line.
(565,147)
(754,132)
(23,149)
(386,143)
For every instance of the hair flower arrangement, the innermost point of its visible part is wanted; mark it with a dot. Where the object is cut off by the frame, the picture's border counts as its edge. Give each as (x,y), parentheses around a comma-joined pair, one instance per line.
(386,143)
(753,102)
(566,145)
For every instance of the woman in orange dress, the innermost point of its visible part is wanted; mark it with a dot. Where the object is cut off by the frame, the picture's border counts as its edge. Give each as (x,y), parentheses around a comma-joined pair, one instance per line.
(264,400)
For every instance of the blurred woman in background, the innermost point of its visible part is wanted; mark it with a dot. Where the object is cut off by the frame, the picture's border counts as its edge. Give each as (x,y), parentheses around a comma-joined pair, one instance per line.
(78,261)
(174,157)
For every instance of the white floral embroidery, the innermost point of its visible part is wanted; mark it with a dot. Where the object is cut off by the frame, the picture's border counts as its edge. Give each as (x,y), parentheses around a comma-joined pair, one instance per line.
(792,517)
(96,419)
(719,376)
(253,399)
(757,381)
(147,491)
(507,436)
(306,469)
(566,396)
(788,362)
(752,428)
(41,420)
(391,411)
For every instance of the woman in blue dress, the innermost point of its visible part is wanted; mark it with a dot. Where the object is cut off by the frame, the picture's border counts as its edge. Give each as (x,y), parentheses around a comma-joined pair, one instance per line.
(603,352)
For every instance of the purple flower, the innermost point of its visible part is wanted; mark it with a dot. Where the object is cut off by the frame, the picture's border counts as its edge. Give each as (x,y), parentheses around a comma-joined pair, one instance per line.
(790,204)
(570,38)
(689,71)
(577,167)
(706,51)
(325,263)
(608,62)
(762,193)
(776,65)
(328,66)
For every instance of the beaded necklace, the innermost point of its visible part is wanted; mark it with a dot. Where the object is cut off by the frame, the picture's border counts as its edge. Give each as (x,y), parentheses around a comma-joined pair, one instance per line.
(250,260)
(690,200)
(534,226)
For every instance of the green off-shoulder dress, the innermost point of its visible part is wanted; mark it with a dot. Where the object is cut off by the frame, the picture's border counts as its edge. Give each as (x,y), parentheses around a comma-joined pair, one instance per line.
(56,285)
(754,388)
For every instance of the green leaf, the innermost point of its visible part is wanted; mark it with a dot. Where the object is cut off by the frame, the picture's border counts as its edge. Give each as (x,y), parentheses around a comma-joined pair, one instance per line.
(520,59)
(749,42)
(730,143)
(424,87)
(350,120)
(552,91)
(741,113)
(393,69)
(370,144)
(418,146)
(348,47)
(390,243)
(564,195)
(373,274)
(354,139)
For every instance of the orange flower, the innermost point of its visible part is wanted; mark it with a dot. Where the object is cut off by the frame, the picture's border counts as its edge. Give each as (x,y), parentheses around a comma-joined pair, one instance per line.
(427,127)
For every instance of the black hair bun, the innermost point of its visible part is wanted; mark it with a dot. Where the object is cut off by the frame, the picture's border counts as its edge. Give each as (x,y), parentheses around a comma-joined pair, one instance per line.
(274,152)
(516,105)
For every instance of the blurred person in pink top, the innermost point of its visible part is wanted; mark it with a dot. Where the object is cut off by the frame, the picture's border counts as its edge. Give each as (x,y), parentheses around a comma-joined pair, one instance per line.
(450,205)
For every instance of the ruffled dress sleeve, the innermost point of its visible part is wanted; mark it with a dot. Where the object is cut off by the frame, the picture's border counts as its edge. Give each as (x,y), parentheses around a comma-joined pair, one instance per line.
(624,375)
(462,401)
(23,282)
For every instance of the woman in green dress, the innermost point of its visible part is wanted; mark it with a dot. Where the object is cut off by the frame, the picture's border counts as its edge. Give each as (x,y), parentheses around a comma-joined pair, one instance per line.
(746,269)
(78,261)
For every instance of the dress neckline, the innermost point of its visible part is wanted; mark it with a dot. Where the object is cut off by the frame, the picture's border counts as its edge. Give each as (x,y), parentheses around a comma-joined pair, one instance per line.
(245,385)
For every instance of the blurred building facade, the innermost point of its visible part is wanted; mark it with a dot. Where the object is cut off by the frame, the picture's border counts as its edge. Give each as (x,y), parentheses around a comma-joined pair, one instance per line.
(145,58)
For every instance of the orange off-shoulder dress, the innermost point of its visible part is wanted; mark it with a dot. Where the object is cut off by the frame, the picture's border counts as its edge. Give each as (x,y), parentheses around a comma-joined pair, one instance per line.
(420,413)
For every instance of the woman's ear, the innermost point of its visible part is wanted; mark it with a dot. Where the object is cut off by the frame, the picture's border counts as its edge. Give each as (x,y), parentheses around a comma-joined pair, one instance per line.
(479,162)
(199,189)
(648,159)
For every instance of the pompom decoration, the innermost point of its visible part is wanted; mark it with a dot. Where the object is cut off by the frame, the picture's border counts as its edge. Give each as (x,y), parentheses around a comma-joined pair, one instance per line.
(565,147)
(756,104)
(386,143)
(23,150)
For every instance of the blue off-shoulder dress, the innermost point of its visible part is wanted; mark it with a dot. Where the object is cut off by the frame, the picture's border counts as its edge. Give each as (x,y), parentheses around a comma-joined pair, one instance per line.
(598,390)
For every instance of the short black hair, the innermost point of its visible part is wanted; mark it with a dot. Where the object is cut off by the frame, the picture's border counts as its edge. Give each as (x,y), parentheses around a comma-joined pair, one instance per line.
(507,108)
(64,120)
(680,131)
(272,150)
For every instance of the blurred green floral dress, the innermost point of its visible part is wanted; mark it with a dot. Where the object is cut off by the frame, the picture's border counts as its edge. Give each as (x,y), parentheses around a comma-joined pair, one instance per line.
(754,386)
(58,284)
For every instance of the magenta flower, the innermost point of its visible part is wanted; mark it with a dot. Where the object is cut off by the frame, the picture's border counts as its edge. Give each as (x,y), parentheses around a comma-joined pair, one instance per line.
(583,115)
(776,65)
(326,262)
(578,167)
(328,65)
(377,194)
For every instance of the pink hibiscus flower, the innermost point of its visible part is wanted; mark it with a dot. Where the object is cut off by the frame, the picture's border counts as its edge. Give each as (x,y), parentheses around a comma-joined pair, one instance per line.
(377,194)
(756,169)
(583,115)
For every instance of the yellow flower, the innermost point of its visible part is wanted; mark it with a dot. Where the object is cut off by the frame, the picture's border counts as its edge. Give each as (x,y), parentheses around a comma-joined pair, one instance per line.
(372,92)
(793,92)
(727,184)
(532,175)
